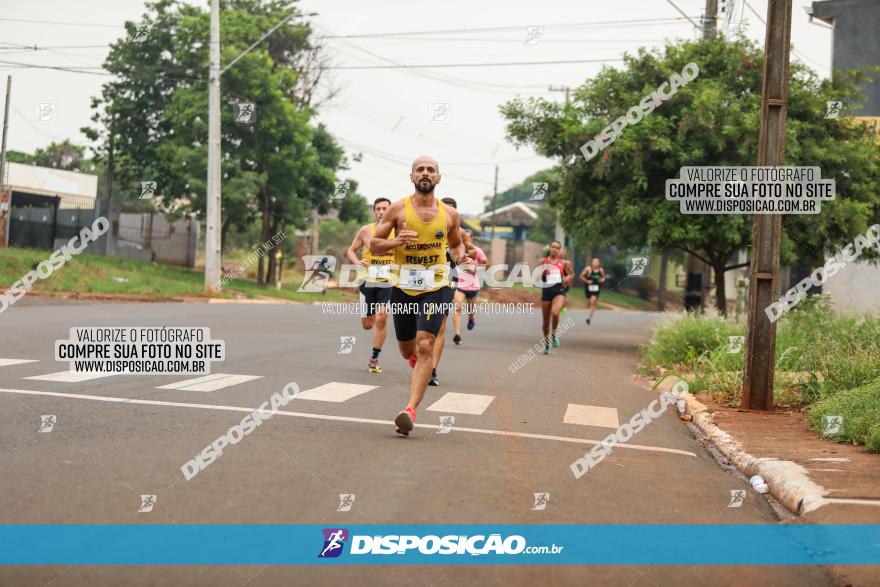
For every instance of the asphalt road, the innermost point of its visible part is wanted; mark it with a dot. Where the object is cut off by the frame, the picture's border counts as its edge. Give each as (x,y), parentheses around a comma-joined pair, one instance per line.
(101,456)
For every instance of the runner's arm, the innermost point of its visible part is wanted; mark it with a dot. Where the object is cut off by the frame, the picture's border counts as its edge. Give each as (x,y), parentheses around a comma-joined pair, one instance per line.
(485,261)
(380,243)
(602,279)
(456,245)
(356,245)
(568,268)
(583,274)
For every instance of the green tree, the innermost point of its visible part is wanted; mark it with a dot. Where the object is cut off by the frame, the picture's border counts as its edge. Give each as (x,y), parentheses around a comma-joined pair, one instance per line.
(276,166)
(354,207)
(64,155)
(618,196)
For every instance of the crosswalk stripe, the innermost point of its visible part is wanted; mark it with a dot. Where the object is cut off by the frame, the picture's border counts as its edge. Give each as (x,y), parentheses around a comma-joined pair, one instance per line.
(462,403)
(212,382)
(195,381)
(591,416)
(70,376)
(7,362)
(335,392)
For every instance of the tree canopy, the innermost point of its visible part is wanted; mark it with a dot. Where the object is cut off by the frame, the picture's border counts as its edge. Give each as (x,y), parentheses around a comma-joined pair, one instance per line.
(276,164)
(618,196)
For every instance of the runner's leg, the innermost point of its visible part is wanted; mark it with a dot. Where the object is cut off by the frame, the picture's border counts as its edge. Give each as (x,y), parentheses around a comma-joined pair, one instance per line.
(456,318)
(381,322)
(438,346)
(407,348)
(545,325)
(556,307)
(424,344)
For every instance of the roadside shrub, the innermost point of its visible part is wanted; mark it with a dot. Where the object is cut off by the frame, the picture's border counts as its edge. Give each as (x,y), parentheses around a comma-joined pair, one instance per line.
(860,410)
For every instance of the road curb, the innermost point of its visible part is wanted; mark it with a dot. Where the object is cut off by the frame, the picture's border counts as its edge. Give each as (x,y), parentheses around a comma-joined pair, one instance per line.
(788,481)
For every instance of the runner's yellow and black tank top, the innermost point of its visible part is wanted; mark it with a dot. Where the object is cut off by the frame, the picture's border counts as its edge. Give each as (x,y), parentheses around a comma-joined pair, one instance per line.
(380,265)
(422,264)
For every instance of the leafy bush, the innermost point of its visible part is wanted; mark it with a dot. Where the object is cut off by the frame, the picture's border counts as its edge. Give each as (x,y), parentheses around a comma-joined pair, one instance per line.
(829,352)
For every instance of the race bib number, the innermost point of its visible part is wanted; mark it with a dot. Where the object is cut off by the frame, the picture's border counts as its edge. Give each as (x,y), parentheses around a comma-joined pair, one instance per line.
(593,288)
(379,271)
(554,278)
(419,279)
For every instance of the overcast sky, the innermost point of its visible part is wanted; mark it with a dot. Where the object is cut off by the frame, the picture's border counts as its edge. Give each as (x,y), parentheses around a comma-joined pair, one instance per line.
(386,114)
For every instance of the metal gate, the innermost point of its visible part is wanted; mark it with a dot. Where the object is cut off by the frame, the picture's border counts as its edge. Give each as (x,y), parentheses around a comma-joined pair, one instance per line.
(32,220)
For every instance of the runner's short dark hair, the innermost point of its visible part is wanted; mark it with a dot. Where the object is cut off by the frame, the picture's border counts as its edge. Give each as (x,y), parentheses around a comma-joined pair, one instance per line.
(450,202)
(379,201)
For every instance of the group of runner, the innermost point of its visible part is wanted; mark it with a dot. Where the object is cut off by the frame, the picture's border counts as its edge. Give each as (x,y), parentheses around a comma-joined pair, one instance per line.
(405,246)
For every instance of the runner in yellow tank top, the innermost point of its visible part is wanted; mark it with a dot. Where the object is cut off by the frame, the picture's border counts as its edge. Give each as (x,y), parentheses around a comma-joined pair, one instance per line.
(375,291)
(420,295)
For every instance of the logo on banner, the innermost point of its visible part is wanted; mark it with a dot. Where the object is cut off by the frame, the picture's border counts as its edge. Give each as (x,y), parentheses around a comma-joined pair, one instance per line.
(334,540)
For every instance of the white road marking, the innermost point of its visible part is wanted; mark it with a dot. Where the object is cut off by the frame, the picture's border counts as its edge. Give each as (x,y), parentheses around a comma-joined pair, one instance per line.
(196,381)
(335,392)
(70,376)
(211,382)
(831,460)
(386,423)
(462,403)
(853,501)
(591,416)
(8,362)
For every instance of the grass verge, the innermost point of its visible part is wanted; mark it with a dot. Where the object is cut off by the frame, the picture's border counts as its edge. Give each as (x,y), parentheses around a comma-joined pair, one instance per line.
(820,356)
(859,413)
(87,273)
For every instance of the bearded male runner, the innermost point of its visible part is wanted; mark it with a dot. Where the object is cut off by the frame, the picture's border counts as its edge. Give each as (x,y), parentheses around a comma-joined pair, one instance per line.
(424,227)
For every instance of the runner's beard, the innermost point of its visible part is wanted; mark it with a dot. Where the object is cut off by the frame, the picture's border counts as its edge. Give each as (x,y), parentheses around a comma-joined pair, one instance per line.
(424,188)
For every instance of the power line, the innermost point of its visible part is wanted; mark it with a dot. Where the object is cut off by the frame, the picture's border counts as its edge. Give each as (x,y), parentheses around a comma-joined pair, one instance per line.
(57,68)
(665,20)
(459,82)
(682,12)
(519,40)
(796,53)
(496,64)
(85,24)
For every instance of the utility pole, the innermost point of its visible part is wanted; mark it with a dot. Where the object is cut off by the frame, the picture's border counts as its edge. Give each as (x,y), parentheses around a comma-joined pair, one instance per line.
(767,228)
(316,232)
(5,195)
(558,232)
(494,203)
(106,209)
(212,219)
(710,22)
(5,129)
(565,89)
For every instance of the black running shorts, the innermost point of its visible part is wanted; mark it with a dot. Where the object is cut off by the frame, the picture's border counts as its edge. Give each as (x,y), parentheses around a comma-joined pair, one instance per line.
(372,297)
(423,312)
(548,293)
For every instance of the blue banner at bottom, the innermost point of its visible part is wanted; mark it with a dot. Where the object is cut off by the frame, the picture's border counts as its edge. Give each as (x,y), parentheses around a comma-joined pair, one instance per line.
(636,544)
